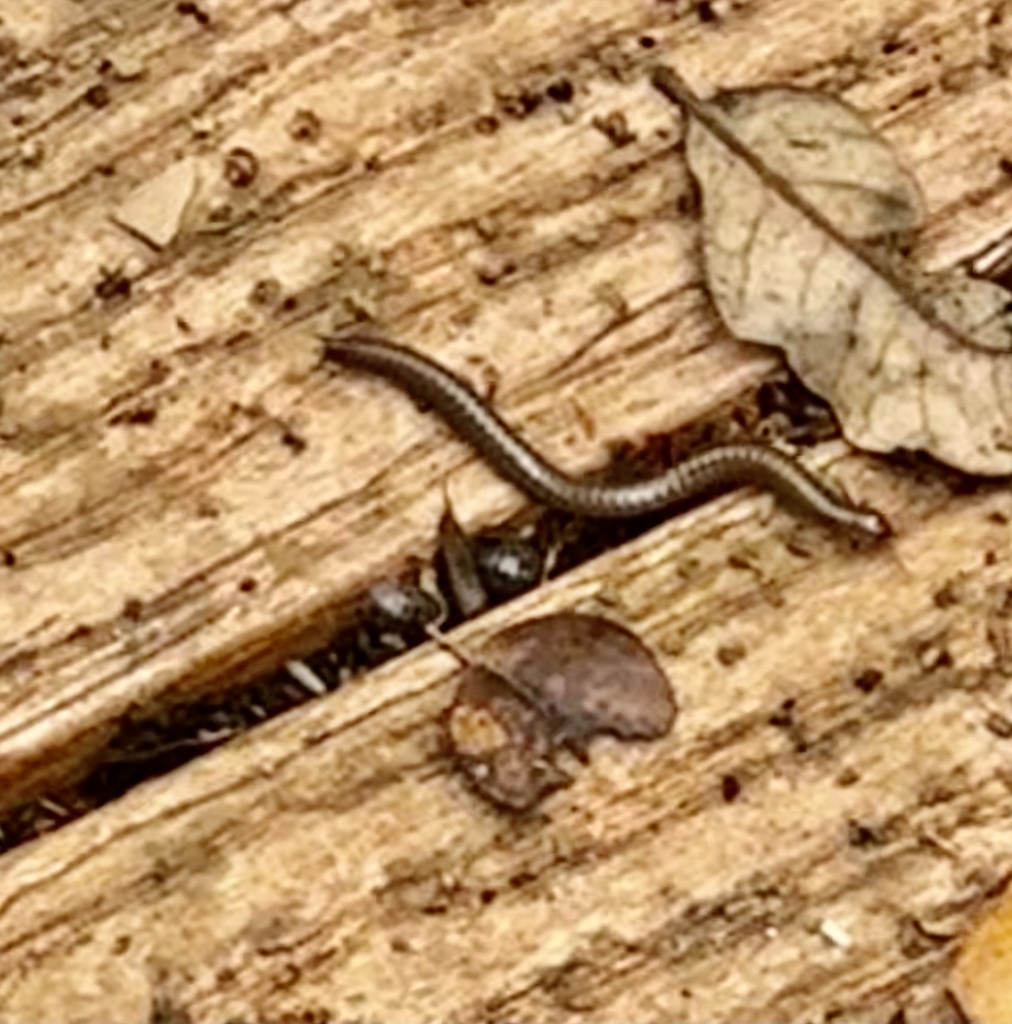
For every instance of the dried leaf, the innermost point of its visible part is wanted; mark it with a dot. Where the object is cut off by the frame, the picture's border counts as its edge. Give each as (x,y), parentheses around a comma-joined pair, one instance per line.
(501,743)
(457,557)
(550,684)
(982,977)
(590,674)
(801,202)
(824,147)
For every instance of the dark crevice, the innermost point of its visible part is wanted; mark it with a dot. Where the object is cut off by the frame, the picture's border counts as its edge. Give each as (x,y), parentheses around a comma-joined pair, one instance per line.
(154,742)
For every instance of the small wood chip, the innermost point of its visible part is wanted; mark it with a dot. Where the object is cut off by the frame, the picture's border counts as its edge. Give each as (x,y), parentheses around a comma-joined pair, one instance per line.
(306,677)
(834,932)
(154,211)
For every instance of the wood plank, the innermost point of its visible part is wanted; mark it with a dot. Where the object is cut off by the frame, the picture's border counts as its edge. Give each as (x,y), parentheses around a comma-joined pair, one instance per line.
(148,483)
(329,866)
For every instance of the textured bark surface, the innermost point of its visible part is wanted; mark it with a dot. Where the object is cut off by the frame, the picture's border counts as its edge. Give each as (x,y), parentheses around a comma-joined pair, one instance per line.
(445,168)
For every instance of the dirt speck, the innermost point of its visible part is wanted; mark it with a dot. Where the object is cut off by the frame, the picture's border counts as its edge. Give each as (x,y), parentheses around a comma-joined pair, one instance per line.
(113,286)
(999,725)
(560,91)
(267,293)
(520,103)
(97,96)
(195,11)
(305,126)
(241,167)
(730,653)
(868,680)
(615,128)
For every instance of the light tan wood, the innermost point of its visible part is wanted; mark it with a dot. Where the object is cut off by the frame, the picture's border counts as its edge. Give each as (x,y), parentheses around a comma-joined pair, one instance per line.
(328,866)
(101,514)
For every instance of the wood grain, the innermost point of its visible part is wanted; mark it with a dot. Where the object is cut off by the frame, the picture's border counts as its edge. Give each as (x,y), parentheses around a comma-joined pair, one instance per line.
(504,249)
(437,166)
(330,866)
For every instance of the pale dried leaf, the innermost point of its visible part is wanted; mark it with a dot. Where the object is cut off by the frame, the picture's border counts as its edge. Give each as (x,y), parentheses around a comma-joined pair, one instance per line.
(824,147)
(906,361)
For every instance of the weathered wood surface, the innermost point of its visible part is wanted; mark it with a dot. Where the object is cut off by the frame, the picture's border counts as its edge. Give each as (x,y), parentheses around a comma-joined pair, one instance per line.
(131,539)
(329,865)
(147,480)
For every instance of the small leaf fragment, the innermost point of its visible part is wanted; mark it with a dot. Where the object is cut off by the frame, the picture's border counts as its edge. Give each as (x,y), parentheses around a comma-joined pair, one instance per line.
(592,675)
(458,559)
(982,977)
(502,744)
(545,685)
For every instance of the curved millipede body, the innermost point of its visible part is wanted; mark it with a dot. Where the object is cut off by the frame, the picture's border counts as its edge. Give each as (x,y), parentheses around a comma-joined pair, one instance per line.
(699,475)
